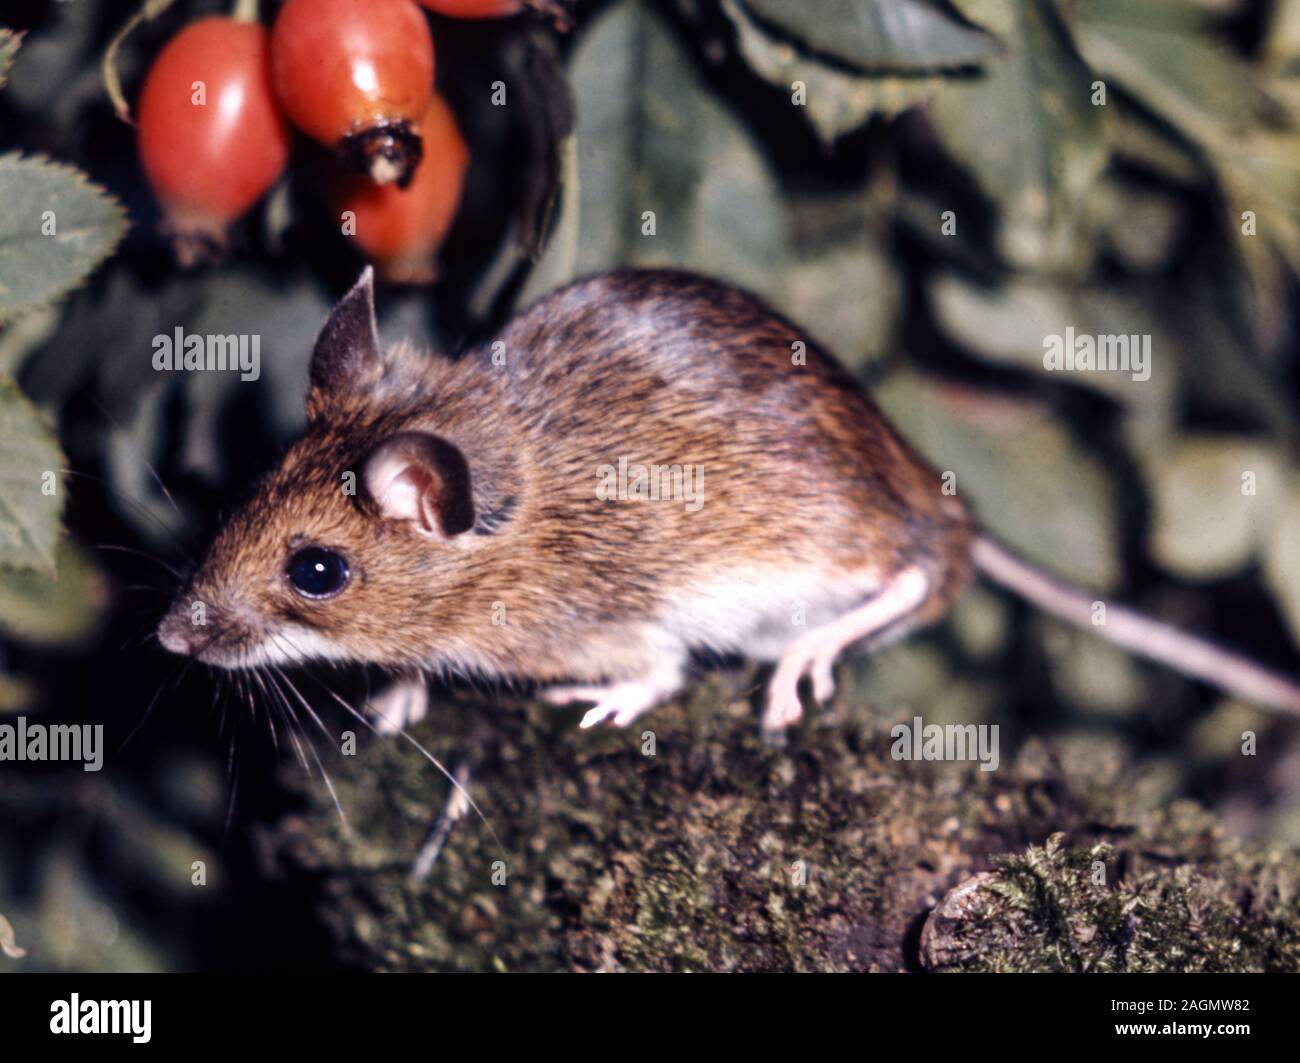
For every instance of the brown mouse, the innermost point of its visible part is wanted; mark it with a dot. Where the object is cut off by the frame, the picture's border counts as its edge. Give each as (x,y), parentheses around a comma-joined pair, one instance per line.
(515,514)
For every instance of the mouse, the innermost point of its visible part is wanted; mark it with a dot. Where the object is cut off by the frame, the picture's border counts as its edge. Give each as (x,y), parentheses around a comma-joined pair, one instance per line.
(642,465)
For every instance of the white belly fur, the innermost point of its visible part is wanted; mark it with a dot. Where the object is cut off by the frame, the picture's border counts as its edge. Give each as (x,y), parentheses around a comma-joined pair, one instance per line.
(759,612)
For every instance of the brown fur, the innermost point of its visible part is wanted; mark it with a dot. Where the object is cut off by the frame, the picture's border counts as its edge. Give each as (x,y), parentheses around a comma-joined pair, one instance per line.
(663,368)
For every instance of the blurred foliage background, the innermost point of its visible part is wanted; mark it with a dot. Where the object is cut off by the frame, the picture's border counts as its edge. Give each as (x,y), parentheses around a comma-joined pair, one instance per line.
(1113,166)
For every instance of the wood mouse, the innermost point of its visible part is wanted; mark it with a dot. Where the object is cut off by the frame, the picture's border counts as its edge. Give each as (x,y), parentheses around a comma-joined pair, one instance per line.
(485,515)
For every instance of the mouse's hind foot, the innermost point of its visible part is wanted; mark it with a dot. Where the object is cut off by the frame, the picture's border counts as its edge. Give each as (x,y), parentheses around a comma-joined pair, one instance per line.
(813,653)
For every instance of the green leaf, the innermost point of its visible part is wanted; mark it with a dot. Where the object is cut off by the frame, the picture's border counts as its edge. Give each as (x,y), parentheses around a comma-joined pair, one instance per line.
(835,100)
(1282,44)
(895,36)
(1088,671)
(1282,559)
(29,517)
(651,138)
(55,228)
(1220,368)
(1162,56)
(1218,102)
(1010,325)
(20,338)
(839,280)
(1138,138)
(1030,135)
(1027,480)
(53,610)
(9,42)
(16,694)
(1206,518)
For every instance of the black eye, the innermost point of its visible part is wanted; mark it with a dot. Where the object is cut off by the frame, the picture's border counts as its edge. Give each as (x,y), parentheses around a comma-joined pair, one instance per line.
(317,573)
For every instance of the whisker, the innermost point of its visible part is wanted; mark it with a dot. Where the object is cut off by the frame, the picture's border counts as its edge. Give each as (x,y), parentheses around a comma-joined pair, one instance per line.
(139,507)
(143,460)
(182,668)
(329,783)
(141,635)
(427,756)
(254,675)
(284,641)
(175,572)
(451,814)
(234,790)
(234,733)
(224,686)
(278,702)
(293,725)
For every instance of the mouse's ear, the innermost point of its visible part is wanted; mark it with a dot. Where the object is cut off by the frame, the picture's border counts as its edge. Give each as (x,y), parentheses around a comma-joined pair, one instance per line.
(347,349)
(422,479)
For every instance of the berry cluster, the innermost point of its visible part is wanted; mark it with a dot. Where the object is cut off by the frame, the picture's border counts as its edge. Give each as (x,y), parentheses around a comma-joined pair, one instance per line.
(220,102)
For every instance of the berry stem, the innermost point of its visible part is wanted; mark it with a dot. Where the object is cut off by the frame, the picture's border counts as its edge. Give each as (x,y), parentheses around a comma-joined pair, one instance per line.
(245,11)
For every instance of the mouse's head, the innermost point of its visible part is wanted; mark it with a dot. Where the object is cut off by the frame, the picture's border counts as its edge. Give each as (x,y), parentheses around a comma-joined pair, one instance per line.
(367,522)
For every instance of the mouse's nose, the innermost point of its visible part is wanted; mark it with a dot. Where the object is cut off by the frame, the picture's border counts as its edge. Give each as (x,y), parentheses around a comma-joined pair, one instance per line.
(176,634)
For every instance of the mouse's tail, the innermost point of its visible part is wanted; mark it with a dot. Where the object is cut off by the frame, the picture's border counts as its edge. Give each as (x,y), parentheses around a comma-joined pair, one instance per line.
(1139,634)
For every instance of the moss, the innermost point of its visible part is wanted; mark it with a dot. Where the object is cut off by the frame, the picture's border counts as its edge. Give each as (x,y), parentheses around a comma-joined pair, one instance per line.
(1174,896)
(718,853)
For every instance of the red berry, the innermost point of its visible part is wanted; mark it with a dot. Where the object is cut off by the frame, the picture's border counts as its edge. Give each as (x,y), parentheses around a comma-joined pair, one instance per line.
(474,8)
(356,76)
(211,136)
(400,229)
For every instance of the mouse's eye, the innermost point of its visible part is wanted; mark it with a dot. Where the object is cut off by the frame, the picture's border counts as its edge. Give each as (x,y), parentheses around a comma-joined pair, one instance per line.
(317,573)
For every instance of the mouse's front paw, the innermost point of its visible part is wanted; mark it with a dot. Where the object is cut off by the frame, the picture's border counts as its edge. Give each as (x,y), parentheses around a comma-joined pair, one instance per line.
(399,706)
(619,703)
(623,700)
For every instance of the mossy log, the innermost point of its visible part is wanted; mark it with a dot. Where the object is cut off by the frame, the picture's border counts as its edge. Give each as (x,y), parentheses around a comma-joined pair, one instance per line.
(685,843)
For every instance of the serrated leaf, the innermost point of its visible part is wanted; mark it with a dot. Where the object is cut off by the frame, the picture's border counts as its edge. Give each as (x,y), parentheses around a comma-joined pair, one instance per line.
(52,610)
(38,265)
(20,338)
(894,36)
(1030,135)
(29,517)
(9,43)
(835,100)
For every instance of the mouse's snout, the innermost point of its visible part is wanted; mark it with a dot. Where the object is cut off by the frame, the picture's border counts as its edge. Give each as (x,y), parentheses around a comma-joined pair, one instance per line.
(176,633)
(231,635)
